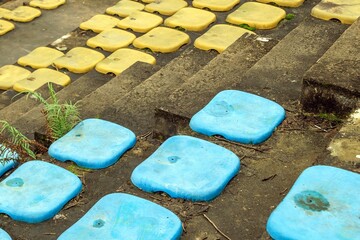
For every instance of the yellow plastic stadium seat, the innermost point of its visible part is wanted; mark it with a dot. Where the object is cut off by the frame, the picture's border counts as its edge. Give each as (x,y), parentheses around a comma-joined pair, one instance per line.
(258,15)
(99,23)
(111,40)
(5,27)
(148,1)
(47,4)
(124,8)
(284,3)
(40,77)
(79,60)
(10,74)
(216,5)
(166,7)
(345,11)
(191,19)
(3,12)
(162,39)
(40,57)
(122,59)
(22,14)
(140,21)
(219,37)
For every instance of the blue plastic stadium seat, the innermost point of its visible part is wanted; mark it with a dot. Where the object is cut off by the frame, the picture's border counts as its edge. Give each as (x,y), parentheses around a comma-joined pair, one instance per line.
(93,143)
(36,191)
(187,167)
(123,216)
(238,116)
(324,203)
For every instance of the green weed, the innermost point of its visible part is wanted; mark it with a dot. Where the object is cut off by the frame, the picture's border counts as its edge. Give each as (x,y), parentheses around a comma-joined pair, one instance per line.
(330,117)
(290,16)
(180,28)
(245,26)
(60,118)
(13,144)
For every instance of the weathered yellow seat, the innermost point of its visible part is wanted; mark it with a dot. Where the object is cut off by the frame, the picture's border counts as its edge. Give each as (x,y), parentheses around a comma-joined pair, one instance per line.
(148,1)
(284,3)
(5,27)
(258,15)
(22,14)
(40,77)
(47,4)
(162,39)
(219,37)
(99,23)
(111,39)
(4,11)
(166,7)
(10,74)
(124,8)
(345,11)
(122,59)
(216,5)
(79,60)
(140,21)
(191,19)
(40,57)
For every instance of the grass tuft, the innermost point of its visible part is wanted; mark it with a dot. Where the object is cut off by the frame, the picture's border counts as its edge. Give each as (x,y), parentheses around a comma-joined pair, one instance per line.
(60,118)
(245,26)
(13,143)
(290,16)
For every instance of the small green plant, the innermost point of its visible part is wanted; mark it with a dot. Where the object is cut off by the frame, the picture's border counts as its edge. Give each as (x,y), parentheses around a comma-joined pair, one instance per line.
(14,144)
(330,117)
(245,26)
(77,170)
(180,28)
(290,16)
(60,118)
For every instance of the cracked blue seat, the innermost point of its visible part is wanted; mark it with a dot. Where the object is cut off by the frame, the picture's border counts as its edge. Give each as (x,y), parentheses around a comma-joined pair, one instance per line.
(124,216)
(324,203)
(36,191)
(93,143)
(187,167)
(238,116)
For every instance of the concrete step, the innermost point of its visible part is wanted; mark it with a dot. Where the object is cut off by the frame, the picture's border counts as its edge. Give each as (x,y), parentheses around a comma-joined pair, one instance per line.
(93,104)
(9,98)
(75,38)
(345,146)
(33,120)
(15,105)
(332,84)
(277,75)
(135,109)
(51,25)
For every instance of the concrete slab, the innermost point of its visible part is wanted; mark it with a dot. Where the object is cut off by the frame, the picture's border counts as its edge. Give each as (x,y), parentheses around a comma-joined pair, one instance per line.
(97,101)
(21,104)
(346,144)
(276,76)
(91,90)
(48,27)
(135,110)
(333,83)
(33,120)
(216,76)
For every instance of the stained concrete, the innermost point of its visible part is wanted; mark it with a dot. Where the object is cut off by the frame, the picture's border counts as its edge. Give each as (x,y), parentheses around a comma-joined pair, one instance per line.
(276,76)
(332,84)
(346,144)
